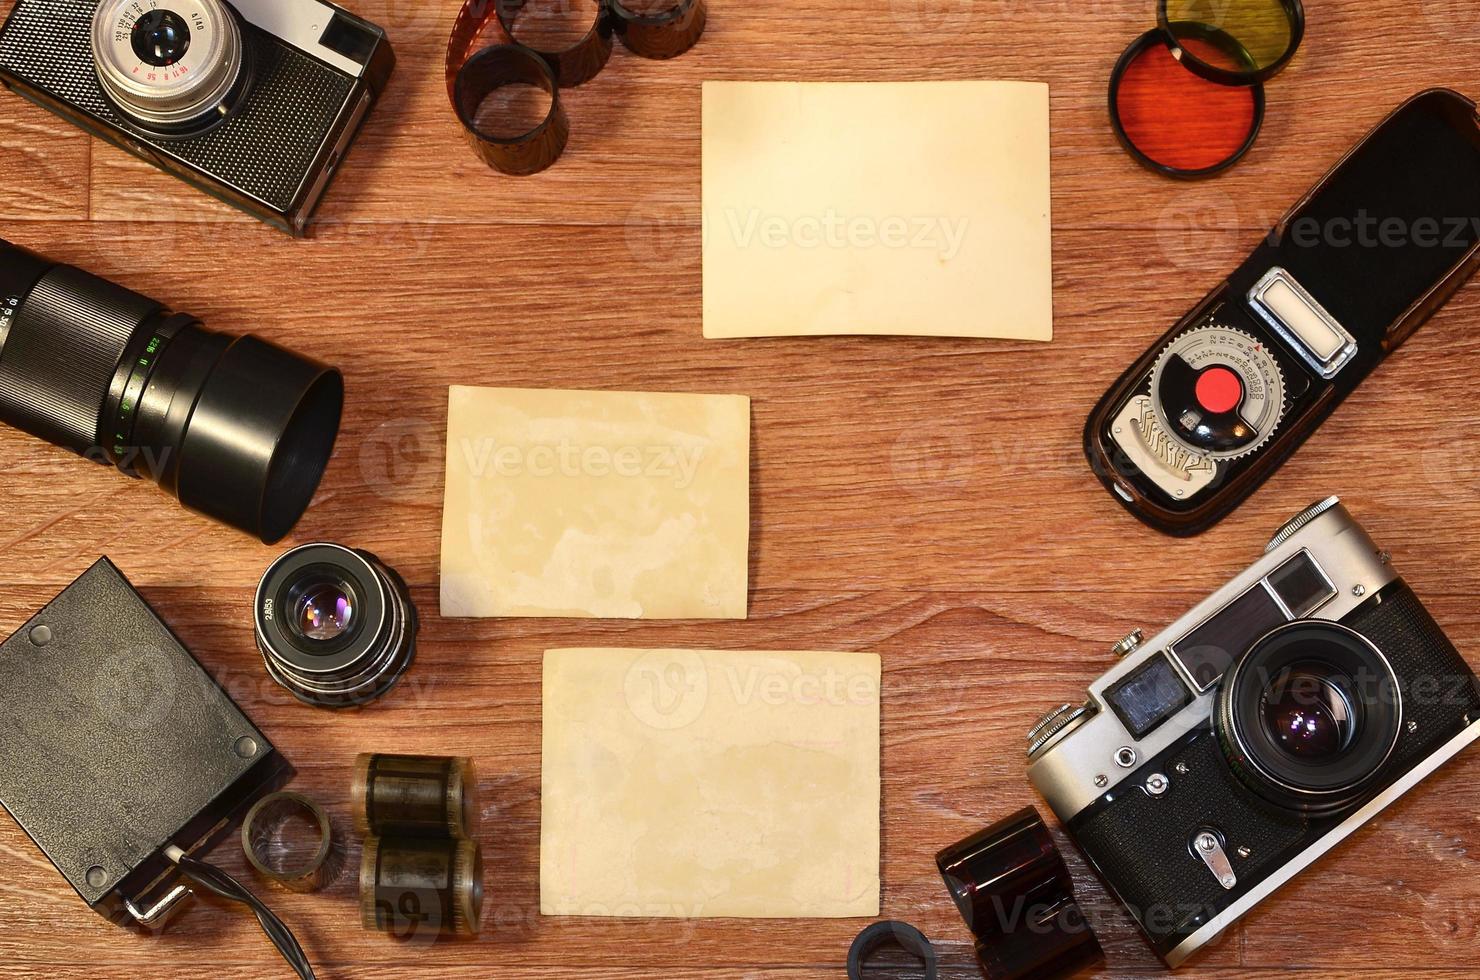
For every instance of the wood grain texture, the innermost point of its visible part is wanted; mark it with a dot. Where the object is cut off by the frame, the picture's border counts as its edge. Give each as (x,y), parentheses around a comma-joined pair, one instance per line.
(923,499)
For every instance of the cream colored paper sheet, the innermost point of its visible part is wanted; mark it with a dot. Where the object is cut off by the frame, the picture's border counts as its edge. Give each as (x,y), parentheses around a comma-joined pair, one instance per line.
(694,783)
(916,208)
(596,504)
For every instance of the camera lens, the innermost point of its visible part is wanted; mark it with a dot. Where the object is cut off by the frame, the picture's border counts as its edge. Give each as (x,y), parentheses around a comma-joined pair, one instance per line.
(323,611)
(336,627)
(160,38)
(173,71)
(233,427)
(1309,715)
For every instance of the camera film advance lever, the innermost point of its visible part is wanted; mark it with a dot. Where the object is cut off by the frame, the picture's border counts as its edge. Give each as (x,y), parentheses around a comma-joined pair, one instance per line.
(1213,408)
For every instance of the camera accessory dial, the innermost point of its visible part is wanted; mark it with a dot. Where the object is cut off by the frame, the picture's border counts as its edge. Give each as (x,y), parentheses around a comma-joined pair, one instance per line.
(170,66)
(1218,392)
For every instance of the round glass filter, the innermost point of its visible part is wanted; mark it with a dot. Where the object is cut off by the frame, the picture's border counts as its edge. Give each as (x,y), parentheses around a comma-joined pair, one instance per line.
(1177,123)
(1266,35)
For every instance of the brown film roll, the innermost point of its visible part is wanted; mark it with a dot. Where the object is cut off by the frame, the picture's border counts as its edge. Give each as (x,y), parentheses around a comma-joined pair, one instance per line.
(475,71)
(490,69)
(663,34)
(576,63)
(420,888)
(415,796)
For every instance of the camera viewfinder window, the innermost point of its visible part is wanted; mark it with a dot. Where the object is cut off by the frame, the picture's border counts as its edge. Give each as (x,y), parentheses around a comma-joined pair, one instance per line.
(1149,696)
(349,39)
(1301,585)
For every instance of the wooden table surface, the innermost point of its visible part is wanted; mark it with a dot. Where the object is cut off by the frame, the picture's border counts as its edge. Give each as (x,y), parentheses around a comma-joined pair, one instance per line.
(925,499)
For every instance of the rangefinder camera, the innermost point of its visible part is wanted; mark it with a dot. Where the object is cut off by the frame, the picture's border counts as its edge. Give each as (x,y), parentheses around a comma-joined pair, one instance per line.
(1226,754)
(253,101)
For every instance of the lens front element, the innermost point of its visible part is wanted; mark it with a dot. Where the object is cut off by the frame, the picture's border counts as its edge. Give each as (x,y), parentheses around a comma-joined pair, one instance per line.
(161,38)
(1307,713)
(323,611)
(335,626)
(169,69)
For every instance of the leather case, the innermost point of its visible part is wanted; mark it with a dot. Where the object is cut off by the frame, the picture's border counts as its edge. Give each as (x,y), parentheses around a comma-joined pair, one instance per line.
(1374,249)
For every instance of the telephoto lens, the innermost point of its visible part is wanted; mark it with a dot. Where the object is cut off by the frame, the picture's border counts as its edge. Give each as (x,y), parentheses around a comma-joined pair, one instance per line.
(335,626)
(234,427)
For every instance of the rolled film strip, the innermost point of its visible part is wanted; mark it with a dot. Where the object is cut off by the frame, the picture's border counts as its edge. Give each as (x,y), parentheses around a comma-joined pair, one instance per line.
(575,63)
(262,833)
(661,34)
(415,796)
(421,888)
(484,55)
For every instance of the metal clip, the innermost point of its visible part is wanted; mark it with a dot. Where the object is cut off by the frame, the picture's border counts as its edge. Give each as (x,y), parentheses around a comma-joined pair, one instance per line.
(1210,849)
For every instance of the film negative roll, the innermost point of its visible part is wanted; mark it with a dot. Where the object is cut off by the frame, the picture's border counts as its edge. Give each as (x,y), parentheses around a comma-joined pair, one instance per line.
(418,888)
(271,856)
(415,796)
(660,34)
(484,54)
(1016,896)
(491,69)
(575,63)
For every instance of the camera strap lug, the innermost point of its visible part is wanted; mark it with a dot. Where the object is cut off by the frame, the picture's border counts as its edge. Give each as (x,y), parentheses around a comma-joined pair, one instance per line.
(1208,847)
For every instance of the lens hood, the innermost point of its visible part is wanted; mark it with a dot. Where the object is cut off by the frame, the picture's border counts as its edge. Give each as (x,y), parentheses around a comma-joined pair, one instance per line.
(259,438)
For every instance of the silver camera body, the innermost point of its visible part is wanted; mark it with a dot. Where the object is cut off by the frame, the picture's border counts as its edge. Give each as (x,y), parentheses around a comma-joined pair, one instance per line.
(1195,781)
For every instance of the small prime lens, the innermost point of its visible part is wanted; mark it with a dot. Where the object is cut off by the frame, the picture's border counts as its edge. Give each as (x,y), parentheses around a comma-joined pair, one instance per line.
(1309,715)
(336,627)
(233,427)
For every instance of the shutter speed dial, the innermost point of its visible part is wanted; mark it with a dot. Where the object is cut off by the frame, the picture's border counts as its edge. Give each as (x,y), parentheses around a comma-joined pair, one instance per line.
(1218,391)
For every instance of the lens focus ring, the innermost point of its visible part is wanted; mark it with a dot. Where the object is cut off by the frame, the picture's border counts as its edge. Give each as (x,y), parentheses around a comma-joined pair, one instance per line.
(62,353)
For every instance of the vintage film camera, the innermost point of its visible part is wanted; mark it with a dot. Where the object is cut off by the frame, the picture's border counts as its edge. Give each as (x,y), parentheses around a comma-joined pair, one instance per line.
(253,101)
(1226,754)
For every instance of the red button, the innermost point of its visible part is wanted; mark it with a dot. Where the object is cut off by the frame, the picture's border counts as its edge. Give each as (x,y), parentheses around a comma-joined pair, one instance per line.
(1219,390)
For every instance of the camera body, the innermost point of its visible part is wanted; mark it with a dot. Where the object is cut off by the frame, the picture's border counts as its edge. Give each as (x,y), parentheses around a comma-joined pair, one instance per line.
(253,101)
(1226,754)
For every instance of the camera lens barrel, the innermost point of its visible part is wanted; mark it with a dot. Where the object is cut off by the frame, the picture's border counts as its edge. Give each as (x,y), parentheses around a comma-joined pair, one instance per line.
(234,427)
(1308,717)
(194,62)
(335,626)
